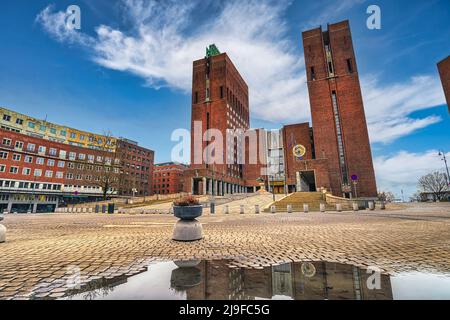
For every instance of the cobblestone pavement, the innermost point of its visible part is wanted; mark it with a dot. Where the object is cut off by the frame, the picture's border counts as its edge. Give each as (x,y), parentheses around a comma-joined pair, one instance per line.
(42,251)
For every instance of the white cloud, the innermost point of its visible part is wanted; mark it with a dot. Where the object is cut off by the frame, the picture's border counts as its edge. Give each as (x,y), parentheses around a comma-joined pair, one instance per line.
(387,107)
(402,170)
(165,37)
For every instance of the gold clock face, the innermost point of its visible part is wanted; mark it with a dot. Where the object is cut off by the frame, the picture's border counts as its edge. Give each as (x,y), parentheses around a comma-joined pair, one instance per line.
(299,151)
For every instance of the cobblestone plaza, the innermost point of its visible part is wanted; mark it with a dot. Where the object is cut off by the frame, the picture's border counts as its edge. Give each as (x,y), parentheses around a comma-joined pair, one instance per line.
(42,250)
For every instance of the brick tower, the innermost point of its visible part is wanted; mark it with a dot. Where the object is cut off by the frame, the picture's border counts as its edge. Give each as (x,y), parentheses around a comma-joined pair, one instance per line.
(337,111)
(219,101)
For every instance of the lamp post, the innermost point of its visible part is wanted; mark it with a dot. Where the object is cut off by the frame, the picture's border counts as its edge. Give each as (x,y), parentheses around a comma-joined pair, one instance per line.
(442,154)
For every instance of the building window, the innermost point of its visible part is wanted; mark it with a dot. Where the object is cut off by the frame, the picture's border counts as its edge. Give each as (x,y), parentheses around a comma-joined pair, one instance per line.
(31,125)
(196,97)
(19,145)
(350,65)
(71,165)
(19,121)
(3,155)
(330,67)
(6,141)
(26,171)
(61,164)
(42,127)
(73,135)
(49,173)
(52,152)
(63,133)
(2,168)
(221,92)
(81,156)
(313,74)
(31,147)
(40,161)
(13,170)
(51,162)
(69,176)
(6,117)
(28,159)
(42,149)
(81,137)
(16,157)
(52,130)
(78,177)
(72,155)
(59,175)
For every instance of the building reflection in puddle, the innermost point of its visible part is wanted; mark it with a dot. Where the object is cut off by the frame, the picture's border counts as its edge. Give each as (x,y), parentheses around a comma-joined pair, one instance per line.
(215,280)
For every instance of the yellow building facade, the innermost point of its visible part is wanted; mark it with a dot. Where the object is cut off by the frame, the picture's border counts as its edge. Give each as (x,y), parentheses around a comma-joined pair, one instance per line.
(17,122)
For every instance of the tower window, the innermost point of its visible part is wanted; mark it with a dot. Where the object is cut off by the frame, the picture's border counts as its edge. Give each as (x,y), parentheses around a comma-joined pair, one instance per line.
(330,67)
(313,74)
(196,97)
(349,65)
(221,92)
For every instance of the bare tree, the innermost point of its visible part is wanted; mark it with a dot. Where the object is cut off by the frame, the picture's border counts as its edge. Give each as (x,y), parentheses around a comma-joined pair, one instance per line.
(107,171)
(434,183)
(416,197)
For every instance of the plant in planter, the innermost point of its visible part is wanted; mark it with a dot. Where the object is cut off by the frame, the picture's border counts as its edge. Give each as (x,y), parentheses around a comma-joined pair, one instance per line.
(187,209)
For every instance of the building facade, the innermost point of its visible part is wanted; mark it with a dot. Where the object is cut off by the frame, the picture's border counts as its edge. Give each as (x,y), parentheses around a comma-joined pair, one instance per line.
(37,175)
(444,72)
(338,119)
(168,178)
(334,153)
(219,101)
(21,123)
(44,165)
(136,168)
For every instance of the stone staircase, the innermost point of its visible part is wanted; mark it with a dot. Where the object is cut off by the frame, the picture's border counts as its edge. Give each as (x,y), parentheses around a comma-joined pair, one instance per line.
(298,199)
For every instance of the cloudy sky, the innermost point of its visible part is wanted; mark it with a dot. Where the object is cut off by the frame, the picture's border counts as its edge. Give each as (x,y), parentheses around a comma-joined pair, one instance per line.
(129,68)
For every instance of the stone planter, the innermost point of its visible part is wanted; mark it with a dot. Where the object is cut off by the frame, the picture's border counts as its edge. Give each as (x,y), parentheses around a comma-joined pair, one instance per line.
(188,228)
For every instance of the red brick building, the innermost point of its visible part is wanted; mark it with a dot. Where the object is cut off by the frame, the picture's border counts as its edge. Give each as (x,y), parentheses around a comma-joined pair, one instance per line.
(338,120)
(219,101)
(37,175)
(168,178)
(136,168)
(334,154)
(444,72)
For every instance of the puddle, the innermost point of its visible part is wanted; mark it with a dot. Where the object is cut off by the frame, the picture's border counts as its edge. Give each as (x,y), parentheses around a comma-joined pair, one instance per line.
(214,280)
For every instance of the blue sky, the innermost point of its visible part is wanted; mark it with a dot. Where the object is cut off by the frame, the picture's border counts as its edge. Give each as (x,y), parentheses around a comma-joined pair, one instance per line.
(128,69)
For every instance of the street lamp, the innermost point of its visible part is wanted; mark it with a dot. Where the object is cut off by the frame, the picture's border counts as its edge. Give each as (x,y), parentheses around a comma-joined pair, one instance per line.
(442,154)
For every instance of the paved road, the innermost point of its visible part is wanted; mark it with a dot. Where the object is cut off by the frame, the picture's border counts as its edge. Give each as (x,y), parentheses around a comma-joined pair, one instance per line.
(42,251)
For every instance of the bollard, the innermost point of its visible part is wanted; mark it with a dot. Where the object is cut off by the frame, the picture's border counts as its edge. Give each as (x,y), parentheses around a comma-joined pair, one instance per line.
(273,209)
(256,208)
(305,208)
(371,205)
(289,208)
(212,207)
(97,208)
(242,209)
(338,207)
(382,205)
(226,209)
(355,206)
(322,207)
(104,208)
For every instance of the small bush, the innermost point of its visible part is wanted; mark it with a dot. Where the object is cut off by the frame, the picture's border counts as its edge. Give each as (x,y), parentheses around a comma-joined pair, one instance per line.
(186,202)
